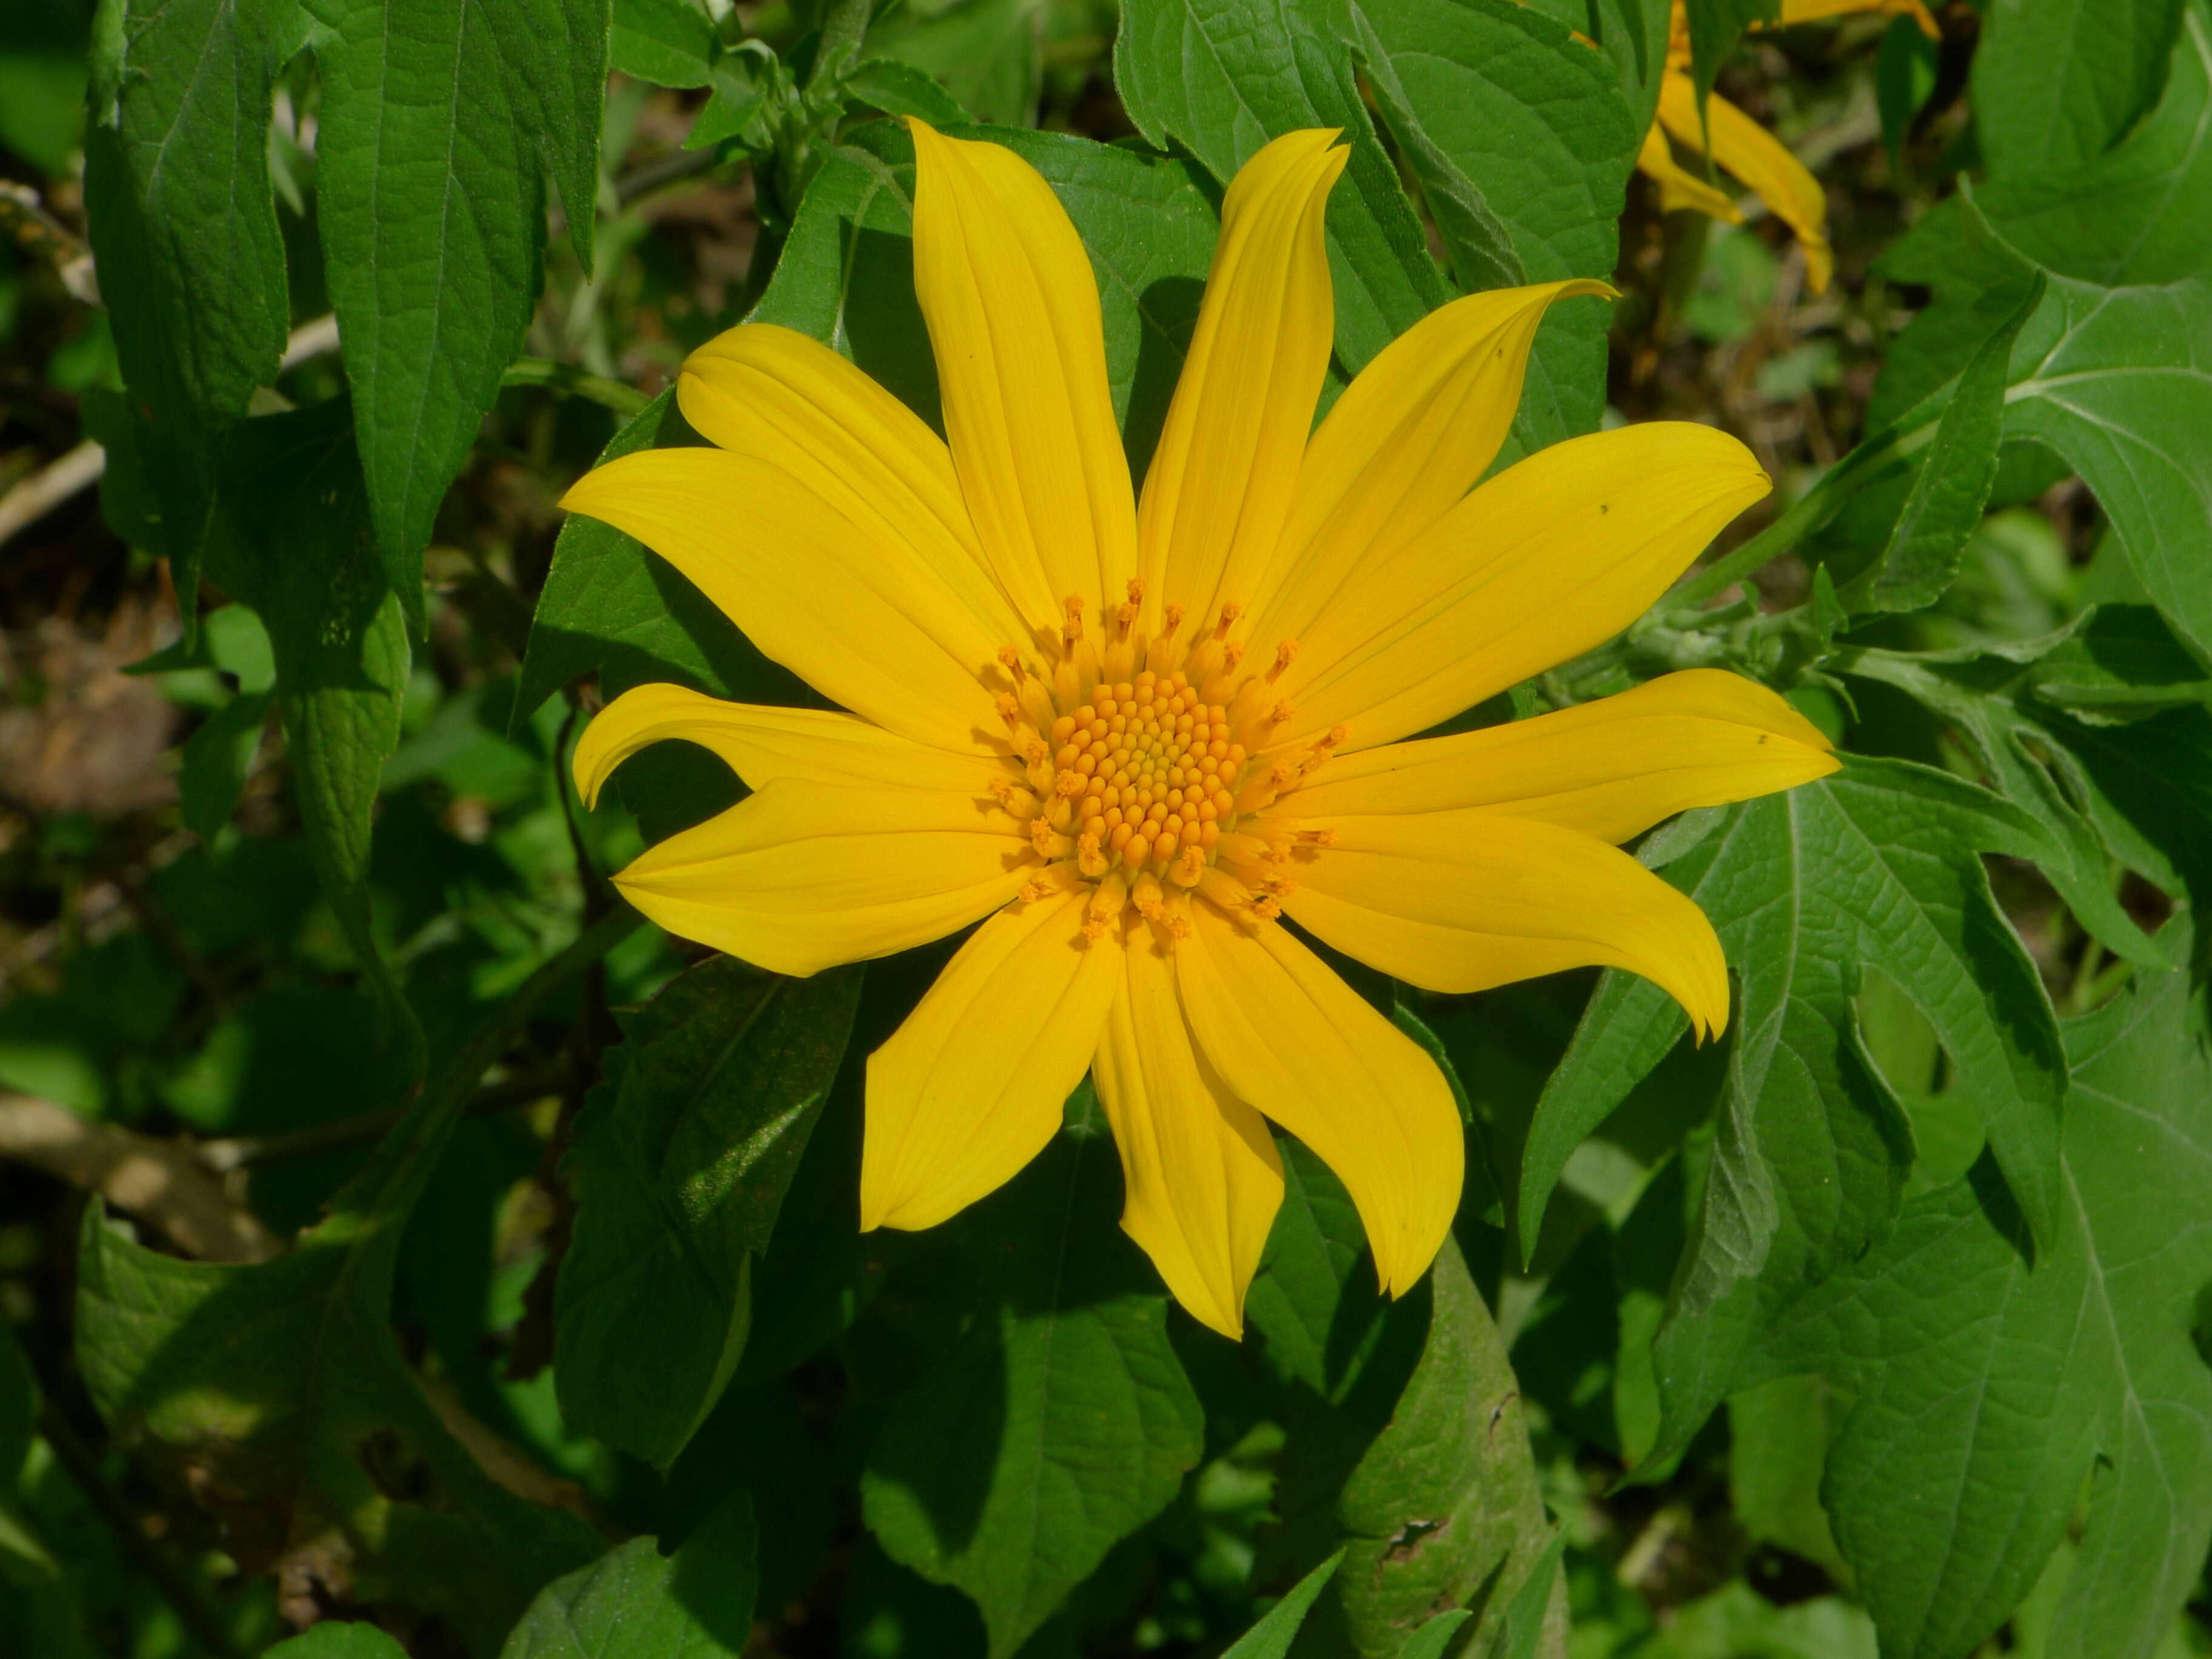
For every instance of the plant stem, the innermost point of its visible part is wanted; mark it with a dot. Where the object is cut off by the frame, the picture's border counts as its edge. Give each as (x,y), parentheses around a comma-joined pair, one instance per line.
(1877,455)
(625,401)
(843,25)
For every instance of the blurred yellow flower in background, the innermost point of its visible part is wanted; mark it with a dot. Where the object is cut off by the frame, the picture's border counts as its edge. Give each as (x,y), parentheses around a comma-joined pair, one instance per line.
(1740,147)
(1130,736)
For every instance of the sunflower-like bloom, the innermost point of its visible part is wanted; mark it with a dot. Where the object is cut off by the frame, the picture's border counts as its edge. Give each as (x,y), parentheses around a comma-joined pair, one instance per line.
(1740,146)
(1129,737)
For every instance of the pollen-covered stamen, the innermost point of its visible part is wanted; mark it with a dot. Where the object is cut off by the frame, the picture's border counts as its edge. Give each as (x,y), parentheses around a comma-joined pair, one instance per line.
(1107,899)
(1036,762)
(1135,780)
(1119,660)
(1013,798)
(1163,653)
(1070,684)
(1033,697)
(1053,878)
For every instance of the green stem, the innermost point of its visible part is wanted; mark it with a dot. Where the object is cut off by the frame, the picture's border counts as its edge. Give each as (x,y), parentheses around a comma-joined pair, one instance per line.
(1807,513)
(843,27)
(625,401)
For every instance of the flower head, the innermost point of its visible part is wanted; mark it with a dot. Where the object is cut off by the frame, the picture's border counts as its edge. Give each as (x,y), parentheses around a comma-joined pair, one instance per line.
(1131,738)
(1740,146)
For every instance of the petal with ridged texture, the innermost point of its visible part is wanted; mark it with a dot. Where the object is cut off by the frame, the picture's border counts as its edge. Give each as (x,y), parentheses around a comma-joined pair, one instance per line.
(970,1089)
(1011,305)
(1610,768)
(763,745)
(1743,147)
(804,876)
(1287,1033)
(1468,900)
(850,608)
(1406,441)
(1556,554)
(775,394)
(1221,479)
(1200,1170)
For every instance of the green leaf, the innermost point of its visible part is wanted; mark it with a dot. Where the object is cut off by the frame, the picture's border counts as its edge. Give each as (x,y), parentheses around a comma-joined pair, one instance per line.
(1444,1504)
(2128,214)
(1715,28)
(1528,1614)
(2058,83)
(2031,753)
(679,1169)
(749,86)
(214,762)
(1779,1435)
(1944,507)
(298,551)
(2119,382)
(334,1639)
(1223,78)
(635,1603)
(1476,241)
(899,88)
(1433,1638)
(1060,1423)
(1904,74)
(1313,1258)
(986,54)
(1517,133)
(2117,664)
(1405,1443)
(670,43)
(437,123)
(1874,865)
(1989,1391)
(1272,1636)
(279,1387)
(184,228)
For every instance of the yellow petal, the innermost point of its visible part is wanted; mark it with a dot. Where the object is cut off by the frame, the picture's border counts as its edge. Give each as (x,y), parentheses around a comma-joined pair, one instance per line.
(1290,1036)
(762,745)
(1554,555)
(1679,187)
(1610,768)
(1221,479)
(803,876)
(970,1089)
(1013,309)
(851,609)
(1809,11)
(1406,441)
(1466,899)
(1202,1175)
(1756,156)
(776,395)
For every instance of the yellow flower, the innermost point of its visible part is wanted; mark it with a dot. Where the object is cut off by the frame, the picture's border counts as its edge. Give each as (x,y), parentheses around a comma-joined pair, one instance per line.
(1056,723)
(1740,146)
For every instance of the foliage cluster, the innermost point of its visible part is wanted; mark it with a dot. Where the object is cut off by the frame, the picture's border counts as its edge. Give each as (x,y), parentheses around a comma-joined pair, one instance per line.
(401,1242)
